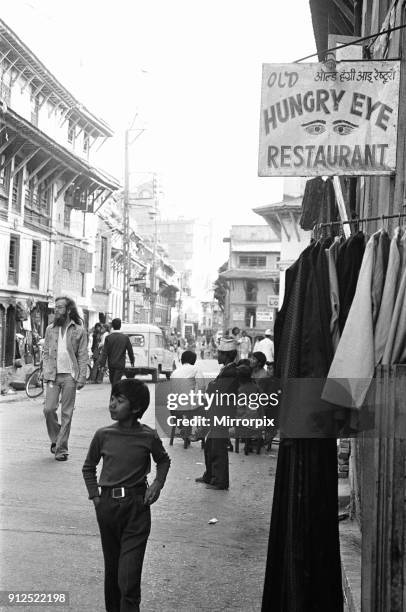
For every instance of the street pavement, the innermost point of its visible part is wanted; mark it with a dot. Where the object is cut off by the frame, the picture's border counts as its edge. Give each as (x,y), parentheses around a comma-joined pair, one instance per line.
(49,534)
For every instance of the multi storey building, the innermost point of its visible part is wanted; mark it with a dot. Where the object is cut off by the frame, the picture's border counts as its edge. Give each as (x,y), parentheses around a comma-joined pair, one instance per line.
(49,191)
(284,219)
(252,278)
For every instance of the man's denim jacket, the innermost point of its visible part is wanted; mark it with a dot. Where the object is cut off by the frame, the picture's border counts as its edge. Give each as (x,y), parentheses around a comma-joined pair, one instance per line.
(76,344)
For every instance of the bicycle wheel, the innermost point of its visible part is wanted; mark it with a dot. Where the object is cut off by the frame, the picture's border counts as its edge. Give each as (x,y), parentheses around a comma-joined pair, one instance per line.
(35,385)
(88,371)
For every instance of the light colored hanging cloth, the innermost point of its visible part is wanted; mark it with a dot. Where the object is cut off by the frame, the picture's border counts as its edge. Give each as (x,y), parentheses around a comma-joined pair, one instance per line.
(383,323)
(353,365)
(395,344)
(379,273)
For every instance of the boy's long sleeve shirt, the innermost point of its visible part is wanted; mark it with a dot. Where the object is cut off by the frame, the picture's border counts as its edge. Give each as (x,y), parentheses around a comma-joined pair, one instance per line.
(126,455)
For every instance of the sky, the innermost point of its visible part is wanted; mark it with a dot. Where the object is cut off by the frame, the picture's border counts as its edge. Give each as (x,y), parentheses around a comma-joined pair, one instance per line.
(189,72)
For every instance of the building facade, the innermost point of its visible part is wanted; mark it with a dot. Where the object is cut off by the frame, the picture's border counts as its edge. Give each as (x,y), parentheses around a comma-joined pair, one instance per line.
(252,278)
(49,190)
(283,217)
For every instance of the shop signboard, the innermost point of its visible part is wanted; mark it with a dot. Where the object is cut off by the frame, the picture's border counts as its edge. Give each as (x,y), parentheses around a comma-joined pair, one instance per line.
(238,314)
(273,301)
(322,120)
(137,297)
(264,315)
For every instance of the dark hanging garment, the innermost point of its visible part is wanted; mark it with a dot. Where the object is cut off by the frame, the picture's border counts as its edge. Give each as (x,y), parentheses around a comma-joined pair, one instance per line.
(311,203)
(319,203)
(303,571)
(349,262)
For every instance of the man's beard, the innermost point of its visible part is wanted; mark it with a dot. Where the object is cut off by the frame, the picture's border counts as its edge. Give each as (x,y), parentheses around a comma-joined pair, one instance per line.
(60,320)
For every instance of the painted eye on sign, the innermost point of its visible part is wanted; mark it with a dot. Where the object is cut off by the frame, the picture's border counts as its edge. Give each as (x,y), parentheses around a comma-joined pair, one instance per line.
(316,121)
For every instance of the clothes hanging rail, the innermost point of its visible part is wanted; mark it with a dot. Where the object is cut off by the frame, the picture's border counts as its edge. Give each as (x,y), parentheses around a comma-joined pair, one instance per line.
(359,220)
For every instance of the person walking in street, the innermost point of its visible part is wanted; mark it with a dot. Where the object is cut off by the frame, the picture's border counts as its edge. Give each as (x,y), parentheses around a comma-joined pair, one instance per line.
(123,502)
(216,475)
(115,346)
(202,346)
(266,346)
(64,371)
(185,379)
(105,330)
(245,345)
(236,335)
(96,375)
(198,345)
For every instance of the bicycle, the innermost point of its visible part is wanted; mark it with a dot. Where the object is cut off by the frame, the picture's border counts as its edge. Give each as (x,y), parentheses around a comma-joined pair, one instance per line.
(34,387)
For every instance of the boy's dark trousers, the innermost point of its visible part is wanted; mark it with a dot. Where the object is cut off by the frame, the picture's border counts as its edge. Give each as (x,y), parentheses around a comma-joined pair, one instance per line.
(124,528)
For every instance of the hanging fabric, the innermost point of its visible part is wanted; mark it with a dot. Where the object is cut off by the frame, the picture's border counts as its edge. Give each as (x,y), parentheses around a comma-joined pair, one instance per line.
(349,261)
(303,569)
(303,563)
(395,349)
(353,366)
(383,322)
(332,255)
(319,203)
(369,337)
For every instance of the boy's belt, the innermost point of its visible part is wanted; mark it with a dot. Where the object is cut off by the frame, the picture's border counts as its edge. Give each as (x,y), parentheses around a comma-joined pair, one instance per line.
(121,492)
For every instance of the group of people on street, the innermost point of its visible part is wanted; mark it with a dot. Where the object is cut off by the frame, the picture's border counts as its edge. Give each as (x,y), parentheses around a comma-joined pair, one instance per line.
(238,378)
(122,497)
(264,344)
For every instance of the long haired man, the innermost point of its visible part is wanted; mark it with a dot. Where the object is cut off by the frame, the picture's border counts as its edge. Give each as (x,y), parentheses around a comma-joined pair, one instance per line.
(64,370)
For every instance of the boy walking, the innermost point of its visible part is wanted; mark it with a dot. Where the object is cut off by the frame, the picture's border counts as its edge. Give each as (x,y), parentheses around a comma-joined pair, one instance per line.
(123,502)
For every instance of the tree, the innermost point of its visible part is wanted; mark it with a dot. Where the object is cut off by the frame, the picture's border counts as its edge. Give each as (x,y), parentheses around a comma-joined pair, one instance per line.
(220,288)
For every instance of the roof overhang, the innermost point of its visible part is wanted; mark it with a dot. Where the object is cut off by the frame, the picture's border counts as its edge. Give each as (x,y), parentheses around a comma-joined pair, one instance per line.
(50,158)
(332,17)
(23,62)
(283,217)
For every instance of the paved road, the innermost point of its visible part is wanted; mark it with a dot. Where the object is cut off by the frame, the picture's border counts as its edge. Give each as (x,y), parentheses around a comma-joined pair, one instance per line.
(49,535)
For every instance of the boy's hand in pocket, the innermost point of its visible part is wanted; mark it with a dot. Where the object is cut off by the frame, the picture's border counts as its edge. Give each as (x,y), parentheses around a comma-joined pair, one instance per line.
(152,493)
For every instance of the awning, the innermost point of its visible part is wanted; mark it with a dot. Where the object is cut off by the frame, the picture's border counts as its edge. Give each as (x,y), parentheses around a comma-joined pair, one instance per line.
(249,274)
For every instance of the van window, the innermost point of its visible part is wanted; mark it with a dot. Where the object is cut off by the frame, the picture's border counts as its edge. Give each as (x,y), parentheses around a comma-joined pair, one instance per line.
(158,340)
(137,340)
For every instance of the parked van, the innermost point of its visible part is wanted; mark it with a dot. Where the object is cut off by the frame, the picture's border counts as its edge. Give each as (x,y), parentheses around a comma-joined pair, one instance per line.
(151,351)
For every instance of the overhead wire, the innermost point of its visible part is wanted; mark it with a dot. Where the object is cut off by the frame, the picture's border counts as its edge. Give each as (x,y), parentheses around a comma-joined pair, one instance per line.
(349,44)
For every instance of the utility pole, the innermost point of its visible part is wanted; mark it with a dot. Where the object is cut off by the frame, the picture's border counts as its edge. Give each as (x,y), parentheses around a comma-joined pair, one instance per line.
(154,245)
(126,237)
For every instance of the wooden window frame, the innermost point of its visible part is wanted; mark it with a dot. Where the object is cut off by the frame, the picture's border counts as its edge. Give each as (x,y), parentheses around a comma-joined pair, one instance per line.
(13,271)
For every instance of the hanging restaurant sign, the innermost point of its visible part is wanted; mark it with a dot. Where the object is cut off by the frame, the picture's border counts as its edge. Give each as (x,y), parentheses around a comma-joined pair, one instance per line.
(316,121)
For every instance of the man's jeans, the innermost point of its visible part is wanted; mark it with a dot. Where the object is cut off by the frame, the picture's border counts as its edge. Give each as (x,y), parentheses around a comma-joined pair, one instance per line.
(64,387)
